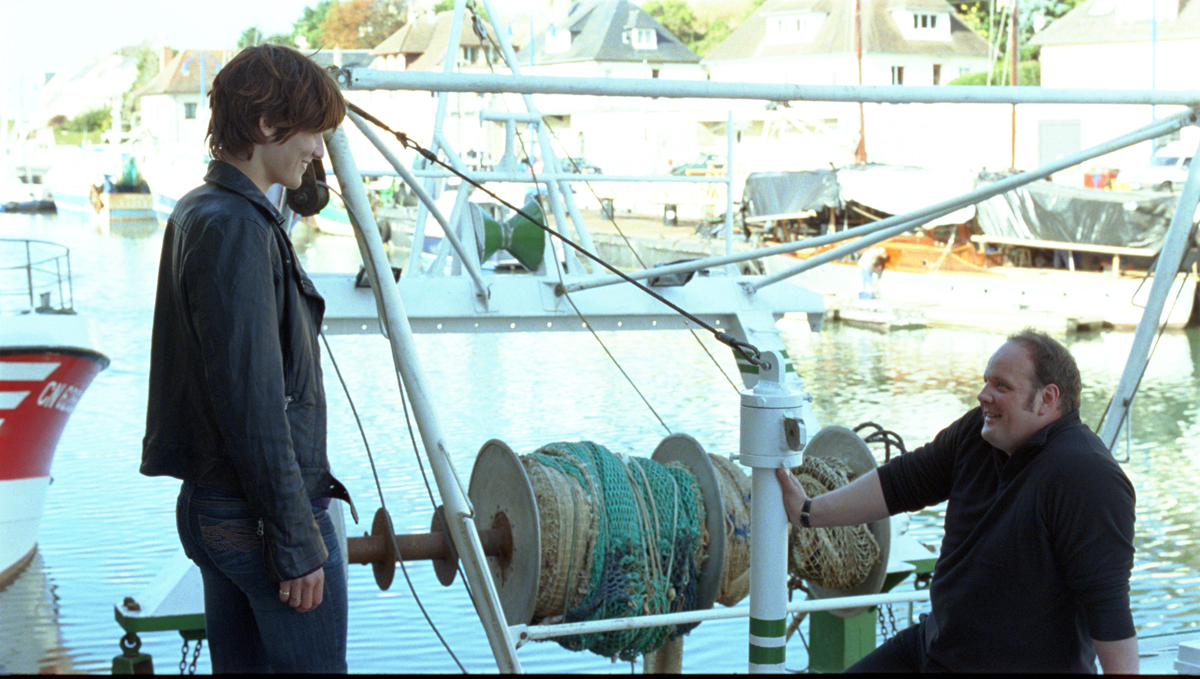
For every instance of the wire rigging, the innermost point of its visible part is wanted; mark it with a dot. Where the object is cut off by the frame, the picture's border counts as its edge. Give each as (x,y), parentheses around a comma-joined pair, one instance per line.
(382,502)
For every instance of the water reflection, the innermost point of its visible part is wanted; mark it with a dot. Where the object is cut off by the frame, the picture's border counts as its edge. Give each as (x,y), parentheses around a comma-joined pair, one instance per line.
(31,640)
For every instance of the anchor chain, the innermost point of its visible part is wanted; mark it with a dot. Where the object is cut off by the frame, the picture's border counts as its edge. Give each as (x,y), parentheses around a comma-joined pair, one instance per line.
(184,666)
(887,629)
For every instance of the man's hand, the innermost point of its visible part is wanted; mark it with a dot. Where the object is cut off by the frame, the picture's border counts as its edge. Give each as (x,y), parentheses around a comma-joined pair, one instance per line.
(304,593)
(793,494)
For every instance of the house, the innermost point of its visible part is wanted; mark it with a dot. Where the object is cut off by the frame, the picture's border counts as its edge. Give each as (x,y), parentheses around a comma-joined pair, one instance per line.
(811,42)
(610,39)
(98,84)
(1127,44)
(175,102)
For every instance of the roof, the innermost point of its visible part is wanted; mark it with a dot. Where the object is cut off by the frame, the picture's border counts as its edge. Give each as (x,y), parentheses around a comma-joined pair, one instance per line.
(596,28)
(182,74)
(433,55)
(412,38)
(1101,21)
(880,34)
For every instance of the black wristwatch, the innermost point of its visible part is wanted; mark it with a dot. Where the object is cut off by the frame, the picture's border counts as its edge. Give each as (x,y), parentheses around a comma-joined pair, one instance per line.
(804,512)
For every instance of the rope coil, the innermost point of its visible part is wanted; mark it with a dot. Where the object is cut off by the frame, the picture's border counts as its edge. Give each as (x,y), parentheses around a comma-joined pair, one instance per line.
(833,558)
(622,537)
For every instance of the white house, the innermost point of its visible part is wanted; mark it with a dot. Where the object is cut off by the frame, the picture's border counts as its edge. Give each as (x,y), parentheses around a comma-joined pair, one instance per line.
(813,42)
(1126,44)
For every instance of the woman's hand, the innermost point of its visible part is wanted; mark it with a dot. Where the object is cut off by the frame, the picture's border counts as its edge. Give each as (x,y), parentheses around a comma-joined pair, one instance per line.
(304,593)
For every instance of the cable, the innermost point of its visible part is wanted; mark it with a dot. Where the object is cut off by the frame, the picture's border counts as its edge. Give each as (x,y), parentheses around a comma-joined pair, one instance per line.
(382,502)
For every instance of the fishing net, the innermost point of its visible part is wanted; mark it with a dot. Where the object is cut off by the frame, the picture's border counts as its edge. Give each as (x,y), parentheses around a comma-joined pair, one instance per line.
(628,540)
(833,558)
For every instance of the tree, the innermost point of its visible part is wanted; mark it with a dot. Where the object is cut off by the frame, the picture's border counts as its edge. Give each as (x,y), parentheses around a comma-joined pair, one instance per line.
(360,23)
(308,25)
(677,17)
(250,37)
(147,68)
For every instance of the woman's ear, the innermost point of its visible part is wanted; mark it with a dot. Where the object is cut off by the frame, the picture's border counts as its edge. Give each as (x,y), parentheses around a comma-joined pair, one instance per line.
(268,131)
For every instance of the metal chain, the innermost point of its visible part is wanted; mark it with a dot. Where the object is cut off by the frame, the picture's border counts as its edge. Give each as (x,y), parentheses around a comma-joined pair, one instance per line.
(892,619)
(184,667)
(200,644)
(883,632)
(887,628)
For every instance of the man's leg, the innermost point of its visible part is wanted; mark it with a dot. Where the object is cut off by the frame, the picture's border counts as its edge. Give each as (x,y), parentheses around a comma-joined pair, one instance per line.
(901,653)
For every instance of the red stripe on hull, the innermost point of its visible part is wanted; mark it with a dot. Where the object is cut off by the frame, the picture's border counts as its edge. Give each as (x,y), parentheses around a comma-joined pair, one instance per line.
(30,432)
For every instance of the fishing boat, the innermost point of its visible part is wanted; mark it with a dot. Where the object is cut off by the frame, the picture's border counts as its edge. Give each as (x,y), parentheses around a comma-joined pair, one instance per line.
(102,184)
(511,528)
(48,357)
(1031,256)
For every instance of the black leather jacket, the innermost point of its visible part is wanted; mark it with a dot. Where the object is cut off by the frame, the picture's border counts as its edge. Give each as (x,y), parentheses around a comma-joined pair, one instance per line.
(236,398)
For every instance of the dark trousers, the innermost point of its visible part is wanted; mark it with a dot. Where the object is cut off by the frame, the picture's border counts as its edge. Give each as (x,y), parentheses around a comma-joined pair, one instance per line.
(904,652)
(249,630)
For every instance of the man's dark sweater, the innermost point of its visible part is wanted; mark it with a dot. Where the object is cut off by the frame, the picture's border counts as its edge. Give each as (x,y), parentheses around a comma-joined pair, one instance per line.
(1038,550)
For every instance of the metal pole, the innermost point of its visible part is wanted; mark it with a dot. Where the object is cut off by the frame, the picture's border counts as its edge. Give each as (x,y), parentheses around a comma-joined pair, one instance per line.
(772,436)
(541,632)
(404,356)
(422,195)
(370,79)
(1174,248)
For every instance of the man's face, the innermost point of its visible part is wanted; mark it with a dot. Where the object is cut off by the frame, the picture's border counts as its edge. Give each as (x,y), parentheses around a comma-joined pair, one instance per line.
(1013,409)
(286,162)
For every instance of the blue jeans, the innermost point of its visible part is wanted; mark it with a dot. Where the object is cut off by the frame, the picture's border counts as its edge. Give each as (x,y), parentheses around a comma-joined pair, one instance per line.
(249,629)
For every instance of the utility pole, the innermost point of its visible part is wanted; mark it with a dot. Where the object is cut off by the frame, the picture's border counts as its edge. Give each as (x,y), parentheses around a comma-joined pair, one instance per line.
(1013,51)
(860,153)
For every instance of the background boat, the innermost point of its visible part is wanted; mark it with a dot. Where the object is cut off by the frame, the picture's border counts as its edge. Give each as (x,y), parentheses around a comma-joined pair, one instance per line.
(48,357)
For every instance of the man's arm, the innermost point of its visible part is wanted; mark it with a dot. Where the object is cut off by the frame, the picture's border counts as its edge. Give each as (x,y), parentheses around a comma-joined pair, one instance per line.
(860,501)
(1118,657)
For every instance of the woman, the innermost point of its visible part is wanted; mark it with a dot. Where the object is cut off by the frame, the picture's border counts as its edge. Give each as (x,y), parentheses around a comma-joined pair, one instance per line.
(236,402)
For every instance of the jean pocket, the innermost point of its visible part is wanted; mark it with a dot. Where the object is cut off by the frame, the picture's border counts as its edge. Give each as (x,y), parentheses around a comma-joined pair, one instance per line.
(226,534)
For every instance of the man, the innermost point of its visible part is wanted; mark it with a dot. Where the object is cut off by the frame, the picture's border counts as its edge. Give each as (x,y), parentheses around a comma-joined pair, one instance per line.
(1033,574)
(870,264)
(236,404)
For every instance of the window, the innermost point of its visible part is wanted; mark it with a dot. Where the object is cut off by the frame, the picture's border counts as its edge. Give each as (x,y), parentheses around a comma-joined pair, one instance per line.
(189,111)
(645,39)
(937,74)
(925,21)
(897,75)
(793,28)
(470,54)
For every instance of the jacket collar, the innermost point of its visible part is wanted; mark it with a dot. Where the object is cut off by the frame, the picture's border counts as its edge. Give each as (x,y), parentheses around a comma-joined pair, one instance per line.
(230,178)
(1023,455)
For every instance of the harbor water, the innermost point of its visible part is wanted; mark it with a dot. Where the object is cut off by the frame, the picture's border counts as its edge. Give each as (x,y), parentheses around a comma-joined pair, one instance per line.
(108,530)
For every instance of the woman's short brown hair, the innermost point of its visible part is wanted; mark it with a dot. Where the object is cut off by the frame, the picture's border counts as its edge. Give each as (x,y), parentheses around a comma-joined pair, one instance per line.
(278,85)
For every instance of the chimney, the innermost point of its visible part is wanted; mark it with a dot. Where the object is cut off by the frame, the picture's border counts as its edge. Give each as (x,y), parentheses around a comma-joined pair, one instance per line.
(164,57)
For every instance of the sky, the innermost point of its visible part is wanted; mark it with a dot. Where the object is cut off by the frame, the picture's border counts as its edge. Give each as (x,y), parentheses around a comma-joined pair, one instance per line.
(59,35)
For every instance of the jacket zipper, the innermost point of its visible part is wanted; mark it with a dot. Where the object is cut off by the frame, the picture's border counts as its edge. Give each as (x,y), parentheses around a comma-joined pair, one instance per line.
(287,401)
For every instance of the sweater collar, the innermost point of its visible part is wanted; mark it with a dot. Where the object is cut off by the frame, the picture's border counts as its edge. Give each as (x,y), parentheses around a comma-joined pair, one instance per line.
(230,178)
(1027,451)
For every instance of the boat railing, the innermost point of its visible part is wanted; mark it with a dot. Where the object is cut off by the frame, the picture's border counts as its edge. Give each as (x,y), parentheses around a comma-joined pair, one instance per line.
(35,277)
